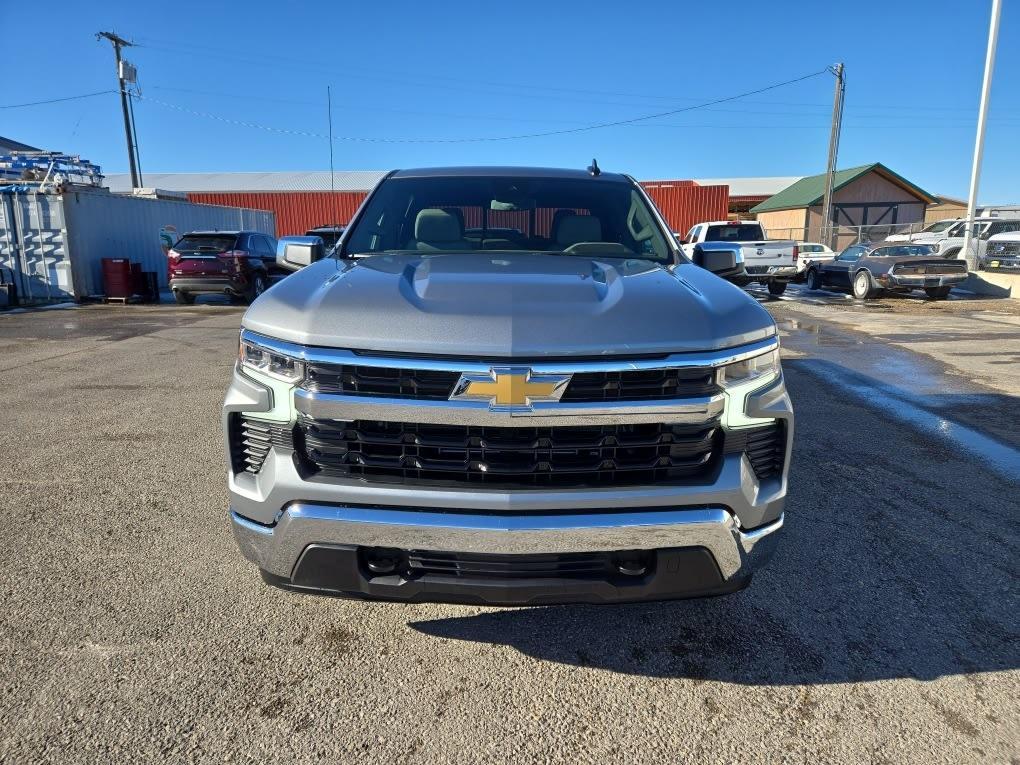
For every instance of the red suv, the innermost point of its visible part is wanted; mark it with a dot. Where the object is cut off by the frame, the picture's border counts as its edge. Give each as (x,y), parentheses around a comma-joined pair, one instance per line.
(232,263)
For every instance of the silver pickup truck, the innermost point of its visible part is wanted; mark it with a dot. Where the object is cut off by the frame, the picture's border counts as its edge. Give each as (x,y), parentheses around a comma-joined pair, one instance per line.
(507,386)
(771,262)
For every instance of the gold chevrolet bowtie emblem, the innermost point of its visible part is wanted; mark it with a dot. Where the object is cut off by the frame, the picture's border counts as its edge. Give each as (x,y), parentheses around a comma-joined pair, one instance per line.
(510,388)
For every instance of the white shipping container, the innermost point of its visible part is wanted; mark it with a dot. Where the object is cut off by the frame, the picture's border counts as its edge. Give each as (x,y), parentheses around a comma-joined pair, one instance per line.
(53,244)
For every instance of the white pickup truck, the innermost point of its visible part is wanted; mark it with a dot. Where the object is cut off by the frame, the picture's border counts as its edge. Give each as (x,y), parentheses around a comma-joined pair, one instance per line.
(759,259)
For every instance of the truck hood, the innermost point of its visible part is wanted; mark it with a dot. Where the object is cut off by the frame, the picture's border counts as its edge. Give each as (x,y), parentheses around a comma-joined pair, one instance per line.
(500,305)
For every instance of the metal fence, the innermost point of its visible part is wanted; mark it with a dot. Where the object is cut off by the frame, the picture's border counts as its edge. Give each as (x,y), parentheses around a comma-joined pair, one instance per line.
(844,236)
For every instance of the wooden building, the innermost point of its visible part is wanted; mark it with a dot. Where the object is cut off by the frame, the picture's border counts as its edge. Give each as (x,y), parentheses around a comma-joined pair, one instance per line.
(866,196)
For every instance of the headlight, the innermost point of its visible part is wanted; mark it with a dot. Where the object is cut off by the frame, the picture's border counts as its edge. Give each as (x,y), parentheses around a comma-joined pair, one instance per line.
(745,371)
(935,247)
(260,359)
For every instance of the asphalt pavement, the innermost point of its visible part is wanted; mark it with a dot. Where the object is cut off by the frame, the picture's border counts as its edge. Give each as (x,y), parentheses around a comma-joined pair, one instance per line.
(887,628)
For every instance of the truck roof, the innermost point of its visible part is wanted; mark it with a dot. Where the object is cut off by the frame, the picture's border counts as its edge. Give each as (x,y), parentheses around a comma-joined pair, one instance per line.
(482,171)
(728,223)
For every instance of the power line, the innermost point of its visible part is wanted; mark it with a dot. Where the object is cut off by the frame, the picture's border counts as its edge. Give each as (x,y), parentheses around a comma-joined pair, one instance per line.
(58,100)
(521,136)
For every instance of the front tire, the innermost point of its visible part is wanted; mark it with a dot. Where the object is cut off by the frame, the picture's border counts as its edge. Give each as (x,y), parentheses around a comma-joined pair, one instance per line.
(258,286)
(862,288)
(777,288)
(814,279)
(184,298)
(937,293)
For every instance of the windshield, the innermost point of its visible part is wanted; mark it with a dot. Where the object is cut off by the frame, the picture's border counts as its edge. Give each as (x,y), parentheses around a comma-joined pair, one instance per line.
(904,251)
(735,232)
(210,244)
(941,225)
(960,229)
(573,216)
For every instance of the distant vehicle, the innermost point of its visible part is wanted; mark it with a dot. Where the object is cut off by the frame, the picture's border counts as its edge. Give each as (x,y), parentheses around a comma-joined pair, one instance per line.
(1002,253)
(927,235)
(329,234)
(811,252)
(868,272)
(950,245)
(769,262)
(232,263)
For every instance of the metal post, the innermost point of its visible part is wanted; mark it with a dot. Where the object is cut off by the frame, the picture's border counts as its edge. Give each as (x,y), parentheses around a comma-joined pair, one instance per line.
(118,43)
(979,141)
(830,170)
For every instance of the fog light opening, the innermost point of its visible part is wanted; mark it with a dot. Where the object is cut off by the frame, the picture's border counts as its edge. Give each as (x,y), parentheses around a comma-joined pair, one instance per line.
(381,561)
(631,566)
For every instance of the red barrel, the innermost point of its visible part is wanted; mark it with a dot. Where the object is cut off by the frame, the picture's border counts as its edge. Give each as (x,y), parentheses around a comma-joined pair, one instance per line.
(117,278)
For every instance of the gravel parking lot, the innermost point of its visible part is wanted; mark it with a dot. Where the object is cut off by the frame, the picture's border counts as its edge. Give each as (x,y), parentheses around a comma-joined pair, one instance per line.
(887,629)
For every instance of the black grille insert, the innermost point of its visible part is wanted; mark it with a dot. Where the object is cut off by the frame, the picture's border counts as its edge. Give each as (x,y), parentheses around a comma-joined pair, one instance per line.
(538,456)
(765,447)
(433,385)
(356,380)
(252,438)
(640,385)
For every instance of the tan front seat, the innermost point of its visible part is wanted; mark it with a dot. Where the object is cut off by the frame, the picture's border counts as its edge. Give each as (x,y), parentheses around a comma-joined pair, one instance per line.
(436,229)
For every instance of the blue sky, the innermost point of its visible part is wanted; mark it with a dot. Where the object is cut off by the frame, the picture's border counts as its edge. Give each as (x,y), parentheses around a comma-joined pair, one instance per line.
(467,70)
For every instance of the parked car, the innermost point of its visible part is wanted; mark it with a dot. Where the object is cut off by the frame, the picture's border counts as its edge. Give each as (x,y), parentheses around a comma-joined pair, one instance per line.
(329,234)
(927,235)
(811,252)
(868,272)
(1002,253)
(951,243)
(769,262)
(232,263)
(584,416)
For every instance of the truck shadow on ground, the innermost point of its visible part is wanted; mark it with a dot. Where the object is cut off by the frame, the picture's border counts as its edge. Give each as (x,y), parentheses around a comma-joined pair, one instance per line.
(898,560)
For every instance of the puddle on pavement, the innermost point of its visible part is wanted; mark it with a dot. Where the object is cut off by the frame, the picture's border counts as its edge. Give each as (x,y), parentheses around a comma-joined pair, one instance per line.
(896,403)
(864,354)
(901,384)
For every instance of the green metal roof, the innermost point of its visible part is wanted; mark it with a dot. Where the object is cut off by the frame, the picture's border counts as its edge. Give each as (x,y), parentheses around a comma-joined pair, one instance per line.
(809,191)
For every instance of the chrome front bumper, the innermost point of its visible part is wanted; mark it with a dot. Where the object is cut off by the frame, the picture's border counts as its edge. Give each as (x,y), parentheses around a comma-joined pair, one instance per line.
(276,548)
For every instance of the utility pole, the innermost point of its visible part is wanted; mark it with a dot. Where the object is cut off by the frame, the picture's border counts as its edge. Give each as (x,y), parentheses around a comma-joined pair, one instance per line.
(828,230)
(119,42)
(979,142)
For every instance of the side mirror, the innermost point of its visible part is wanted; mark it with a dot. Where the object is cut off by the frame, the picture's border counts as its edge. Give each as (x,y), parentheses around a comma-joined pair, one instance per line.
(723,261)
(296,252)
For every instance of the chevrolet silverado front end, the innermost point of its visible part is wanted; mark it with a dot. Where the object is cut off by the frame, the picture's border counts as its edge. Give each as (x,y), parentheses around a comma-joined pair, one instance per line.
(566,411)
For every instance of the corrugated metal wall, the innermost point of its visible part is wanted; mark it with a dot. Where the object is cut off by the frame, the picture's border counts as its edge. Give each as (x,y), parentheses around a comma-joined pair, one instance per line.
(119,226)
(683,206)
(683,203)
(54,243)
(296,211)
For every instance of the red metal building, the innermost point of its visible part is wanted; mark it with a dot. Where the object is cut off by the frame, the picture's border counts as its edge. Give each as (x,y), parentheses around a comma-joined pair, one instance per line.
(304,200)
(682,203)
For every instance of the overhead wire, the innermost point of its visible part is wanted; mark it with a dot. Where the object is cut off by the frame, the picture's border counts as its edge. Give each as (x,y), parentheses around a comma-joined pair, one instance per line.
(57,100)
(482,139)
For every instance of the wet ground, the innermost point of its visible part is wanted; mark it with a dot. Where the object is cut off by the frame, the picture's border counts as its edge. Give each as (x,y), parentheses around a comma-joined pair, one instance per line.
(886,629)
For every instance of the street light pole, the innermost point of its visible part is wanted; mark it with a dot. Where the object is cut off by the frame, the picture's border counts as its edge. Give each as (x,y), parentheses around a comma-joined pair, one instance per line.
(979,142)
(830,170)
(119,42)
